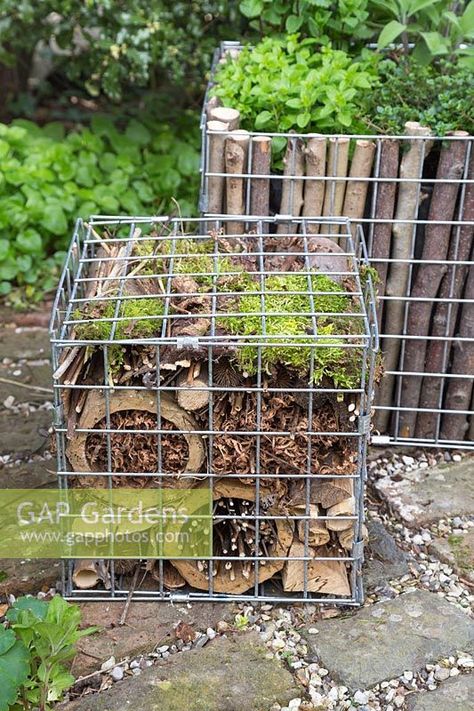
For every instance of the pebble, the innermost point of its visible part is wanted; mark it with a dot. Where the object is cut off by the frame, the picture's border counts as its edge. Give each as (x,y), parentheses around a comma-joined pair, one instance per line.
(294,704)
(418,540)
(441,674)
(361,697)
(201,641)
(108,664)
(117,673)
(466,662)
(211,633)
(313,630)
(134,664)
(408,461)
(457,457)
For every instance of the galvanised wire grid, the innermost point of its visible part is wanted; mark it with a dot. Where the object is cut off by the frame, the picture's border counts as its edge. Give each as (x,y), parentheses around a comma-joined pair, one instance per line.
(119,421)
(391,411)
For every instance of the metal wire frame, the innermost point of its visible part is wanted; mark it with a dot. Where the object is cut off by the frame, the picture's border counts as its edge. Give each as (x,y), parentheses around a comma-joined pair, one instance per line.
(71,295)
(425,182)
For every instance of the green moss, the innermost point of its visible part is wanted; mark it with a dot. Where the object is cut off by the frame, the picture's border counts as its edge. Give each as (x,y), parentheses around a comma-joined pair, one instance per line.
(462,554)
(133,310)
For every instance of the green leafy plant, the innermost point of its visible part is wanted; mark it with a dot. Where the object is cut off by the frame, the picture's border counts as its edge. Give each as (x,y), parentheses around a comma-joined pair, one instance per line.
(49,178)
(284,84)
(436,96)
(33,652)
(341,22)
(431,25)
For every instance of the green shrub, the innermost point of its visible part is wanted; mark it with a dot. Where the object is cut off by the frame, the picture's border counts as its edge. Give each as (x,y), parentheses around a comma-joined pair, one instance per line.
(48,179)
(284,84)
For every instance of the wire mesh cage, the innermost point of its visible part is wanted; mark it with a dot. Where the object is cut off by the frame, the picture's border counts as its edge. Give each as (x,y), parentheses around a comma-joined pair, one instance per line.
(240,362)
(414,196)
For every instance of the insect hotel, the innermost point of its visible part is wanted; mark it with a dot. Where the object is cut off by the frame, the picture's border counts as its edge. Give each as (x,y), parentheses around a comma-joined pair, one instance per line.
(235,357)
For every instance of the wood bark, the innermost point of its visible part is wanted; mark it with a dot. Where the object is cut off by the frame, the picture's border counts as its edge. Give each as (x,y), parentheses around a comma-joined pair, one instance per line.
(236,149)
(323,576)
(315,159)
(338,160)
(384,209)
(225,115)
(356,190)
(411,166)
(215,184)
(428,276)
(212,104)
(458,394)
(192,399)
(261,165)
(292,190)
(445,316)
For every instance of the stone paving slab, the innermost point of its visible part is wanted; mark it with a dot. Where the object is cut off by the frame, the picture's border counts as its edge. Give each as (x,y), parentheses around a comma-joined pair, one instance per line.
(24,435)
(28,576)
(147,624)
(382,641)
(37,376)
(29,475)
(384,560)
(423,496)
(226,675)
(458,552)
(453,695)
(29,344)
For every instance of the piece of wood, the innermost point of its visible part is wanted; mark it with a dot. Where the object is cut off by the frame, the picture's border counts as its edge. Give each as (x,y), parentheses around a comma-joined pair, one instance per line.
(318,534)
(85,575)
(315,161)
(356,190)
(224,114)
(384,209)
(215,183)
(292,189)
(403,238)
(335,491)
(344,508)
(459,390)
(236,150)
(95,410)
(445,319)
(172,579)
(212,104)
(428,276)
(346,538)
(261,165)
(323,576)
(191,399)
(338,160)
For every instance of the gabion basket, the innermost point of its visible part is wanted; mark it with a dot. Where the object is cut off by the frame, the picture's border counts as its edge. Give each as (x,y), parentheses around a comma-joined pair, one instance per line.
(241,360)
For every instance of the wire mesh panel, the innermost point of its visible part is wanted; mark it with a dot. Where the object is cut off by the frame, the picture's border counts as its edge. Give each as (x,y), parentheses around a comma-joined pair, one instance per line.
(239,361)
(414,195)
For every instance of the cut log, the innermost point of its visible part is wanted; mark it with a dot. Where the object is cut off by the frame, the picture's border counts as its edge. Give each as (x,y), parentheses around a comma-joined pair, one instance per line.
(346,538)
(338,159)
(215,184)
(261,165)
(95,410)
(428,276)
(236,149)
(323,576)
(212,104)
(318,534)
(444,321)
(315,159)
(172,579)
(356,190)
(384,208)
(292,189)
(335,491)
(458,394)
(403,239)
(85,575)
(224,114)
(344,508)
(191,399)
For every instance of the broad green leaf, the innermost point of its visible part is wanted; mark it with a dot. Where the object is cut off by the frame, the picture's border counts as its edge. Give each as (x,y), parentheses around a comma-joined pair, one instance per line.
(29,241)
(4,248)
(138,133)
(39,608)
(14,667)
(390,33)
(5,288)
(303,119)
(415,6)
(293,23)
(436,43)
(466,21)
(54,130)
(7,640)
(251,8)
(262,120)
(54,219)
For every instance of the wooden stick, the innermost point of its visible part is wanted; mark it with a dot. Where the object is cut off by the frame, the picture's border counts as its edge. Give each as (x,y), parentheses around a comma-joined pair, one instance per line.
(215,185)
(411,166)
(315,158)
(236,147)
(225,115)
(428,276)
(356,190)
(384,208)
(338,160)
(261,164)
(133,585)
(445,319)
(292,190)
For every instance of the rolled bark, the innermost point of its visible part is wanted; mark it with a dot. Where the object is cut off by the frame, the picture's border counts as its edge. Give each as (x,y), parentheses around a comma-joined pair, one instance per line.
(384,208)
(225,115)
(459,391)
(411,166)
(445,316)
(292,190)
(261,164)
(236,149)
(86,574)
(215,184)
(338,160)
(315,159)
(323,576)
(356,190)
(428,276)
